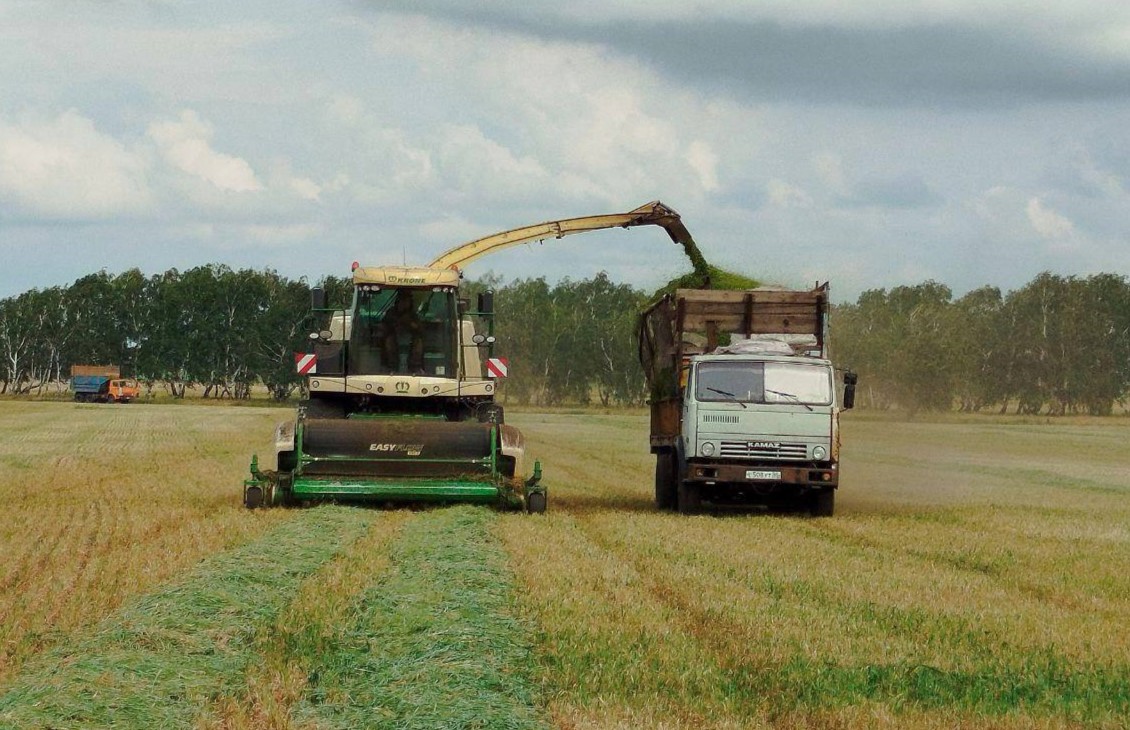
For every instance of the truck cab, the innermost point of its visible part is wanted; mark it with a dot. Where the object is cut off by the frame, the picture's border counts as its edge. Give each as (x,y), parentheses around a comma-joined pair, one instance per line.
(760,428)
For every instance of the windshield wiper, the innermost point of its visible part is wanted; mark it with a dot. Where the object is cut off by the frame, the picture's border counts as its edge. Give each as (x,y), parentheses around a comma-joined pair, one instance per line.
(728,394)
(789,395)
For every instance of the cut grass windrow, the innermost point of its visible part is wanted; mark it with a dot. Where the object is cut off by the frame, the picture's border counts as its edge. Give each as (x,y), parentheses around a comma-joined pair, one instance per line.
(435,643)
(158,661)
(326,601)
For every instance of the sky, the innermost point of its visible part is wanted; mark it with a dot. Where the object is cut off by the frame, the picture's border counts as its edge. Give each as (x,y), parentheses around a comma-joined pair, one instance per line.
(871,144)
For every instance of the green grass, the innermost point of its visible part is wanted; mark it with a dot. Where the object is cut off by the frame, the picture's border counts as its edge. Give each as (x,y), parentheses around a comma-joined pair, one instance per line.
(434,643)
(159,660)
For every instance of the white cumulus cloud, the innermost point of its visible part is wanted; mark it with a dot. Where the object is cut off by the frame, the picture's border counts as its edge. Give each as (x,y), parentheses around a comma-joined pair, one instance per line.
(1047,222)
(186,144)
(65,168)
(703,160)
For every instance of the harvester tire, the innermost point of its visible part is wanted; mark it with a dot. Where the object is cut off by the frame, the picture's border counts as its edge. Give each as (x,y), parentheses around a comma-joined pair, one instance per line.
(253,497)
(823,503)
(536,503)
(666,491)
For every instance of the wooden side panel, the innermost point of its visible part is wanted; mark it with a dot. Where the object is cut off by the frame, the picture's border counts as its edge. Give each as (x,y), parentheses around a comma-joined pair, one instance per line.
(753,312)
(110,371)
(665,419)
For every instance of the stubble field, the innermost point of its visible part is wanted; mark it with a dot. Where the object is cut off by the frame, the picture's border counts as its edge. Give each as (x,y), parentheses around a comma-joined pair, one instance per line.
(976,574)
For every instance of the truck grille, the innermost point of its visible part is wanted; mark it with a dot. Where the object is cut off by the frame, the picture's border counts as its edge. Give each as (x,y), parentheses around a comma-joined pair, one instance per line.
(762,450)
(718,418)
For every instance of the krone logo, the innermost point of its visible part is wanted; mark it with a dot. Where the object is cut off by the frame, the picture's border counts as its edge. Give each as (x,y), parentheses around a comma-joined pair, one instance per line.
(402,386)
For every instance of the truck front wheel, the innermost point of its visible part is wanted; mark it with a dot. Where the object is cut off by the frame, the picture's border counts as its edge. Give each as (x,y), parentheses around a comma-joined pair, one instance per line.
(690,500)
(823,503)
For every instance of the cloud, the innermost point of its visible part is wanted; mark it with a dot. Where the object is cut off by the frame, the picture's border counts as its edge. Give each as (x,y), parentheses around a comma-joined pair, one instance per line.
(65,168)
(603,132)
(866,53)
(786,195)
(1047,222)
(466,157)
(186,145)
(701,158)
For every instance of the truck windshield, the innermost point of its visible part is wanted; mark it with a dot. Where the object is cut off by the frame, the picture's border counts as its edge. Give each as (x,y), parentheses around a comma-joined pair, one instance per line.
(764,382)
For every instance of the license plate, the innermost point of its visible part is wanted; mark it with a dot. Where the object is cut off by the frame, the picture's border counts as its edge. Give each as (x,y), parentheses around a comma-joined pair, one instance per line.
(763,475)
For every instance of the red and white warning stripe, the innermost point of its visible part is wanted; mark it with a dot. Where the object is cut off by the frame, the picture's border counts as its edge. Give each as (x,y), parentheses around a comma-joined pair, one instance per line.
(497,367)
(306,363)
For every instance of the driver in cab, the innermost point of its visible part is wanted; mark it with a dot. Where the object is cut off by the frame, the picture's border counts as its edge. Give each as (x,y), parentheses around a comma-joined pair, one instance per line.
(402,323)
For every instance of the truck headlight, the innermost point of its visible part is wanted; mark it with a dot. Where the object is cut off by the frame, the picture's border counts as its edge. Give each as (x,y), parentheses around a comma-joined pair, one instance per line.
(819,453)
(707,448)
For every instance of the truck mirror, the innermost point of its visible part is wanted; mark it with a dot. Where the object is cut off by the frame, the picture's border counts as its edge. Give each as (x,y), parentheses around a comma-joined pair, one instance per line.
(486,302)
(317,298)
(850,379)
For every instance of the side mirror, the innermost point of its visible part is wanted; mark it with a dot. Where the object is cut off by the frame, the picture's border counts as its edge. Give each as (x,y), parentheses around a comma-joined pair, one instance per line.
(850,379)
(317,298)
(486,302)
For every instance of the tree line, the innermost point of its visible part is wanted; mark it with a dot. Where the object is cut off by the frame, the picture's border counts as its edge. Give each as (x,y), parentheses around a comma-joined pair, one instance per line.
(220,331)
(1060,344)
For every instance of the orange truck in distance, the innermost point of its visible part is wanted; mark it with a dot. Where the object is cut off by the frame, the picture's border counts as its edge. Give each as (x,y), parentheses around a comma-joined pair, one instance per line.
(102,384)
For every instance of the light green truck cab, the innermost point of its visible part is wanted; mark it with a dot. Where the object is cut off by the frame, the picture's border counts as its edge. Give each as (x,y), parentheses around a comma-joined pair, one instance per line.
(752,422)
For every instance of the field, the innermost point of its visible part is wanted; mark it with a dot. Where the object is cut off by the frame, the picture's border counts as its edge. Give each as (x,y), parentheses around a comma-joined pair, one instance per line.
(976,574)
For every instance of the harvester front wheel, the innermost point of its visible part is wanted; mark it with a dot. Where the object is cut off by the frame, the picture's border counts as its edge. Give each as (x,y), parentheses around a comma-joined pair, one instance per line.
(536,502)
(253,497)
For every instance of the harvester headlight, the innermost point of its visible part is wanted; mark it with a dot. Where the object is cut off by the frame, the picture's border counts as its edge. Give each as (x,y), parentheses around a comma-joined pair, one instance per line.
(707,448)
(479,339)
(819,453)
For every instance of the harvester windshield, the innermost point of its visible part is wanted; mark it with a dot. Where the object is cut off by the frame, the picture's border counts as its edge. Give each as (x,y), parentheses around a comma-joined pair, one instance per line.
(408,330)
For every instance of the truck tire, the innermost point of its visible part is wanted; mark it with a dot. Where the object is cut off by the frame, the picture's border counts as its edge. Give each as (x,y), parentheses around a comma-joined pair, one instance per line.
(689,499)
(666,492)
(823,503)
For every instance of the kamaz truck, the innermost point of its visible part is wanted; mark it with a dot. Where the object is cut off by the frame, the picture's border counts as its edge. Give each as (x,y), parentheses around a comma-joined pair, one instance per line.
(744,402)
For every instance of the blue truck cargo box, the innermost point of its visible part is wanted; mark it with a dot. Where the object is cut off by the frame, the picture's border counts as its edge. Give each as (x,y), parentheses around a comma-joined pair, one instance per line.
(89,383)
